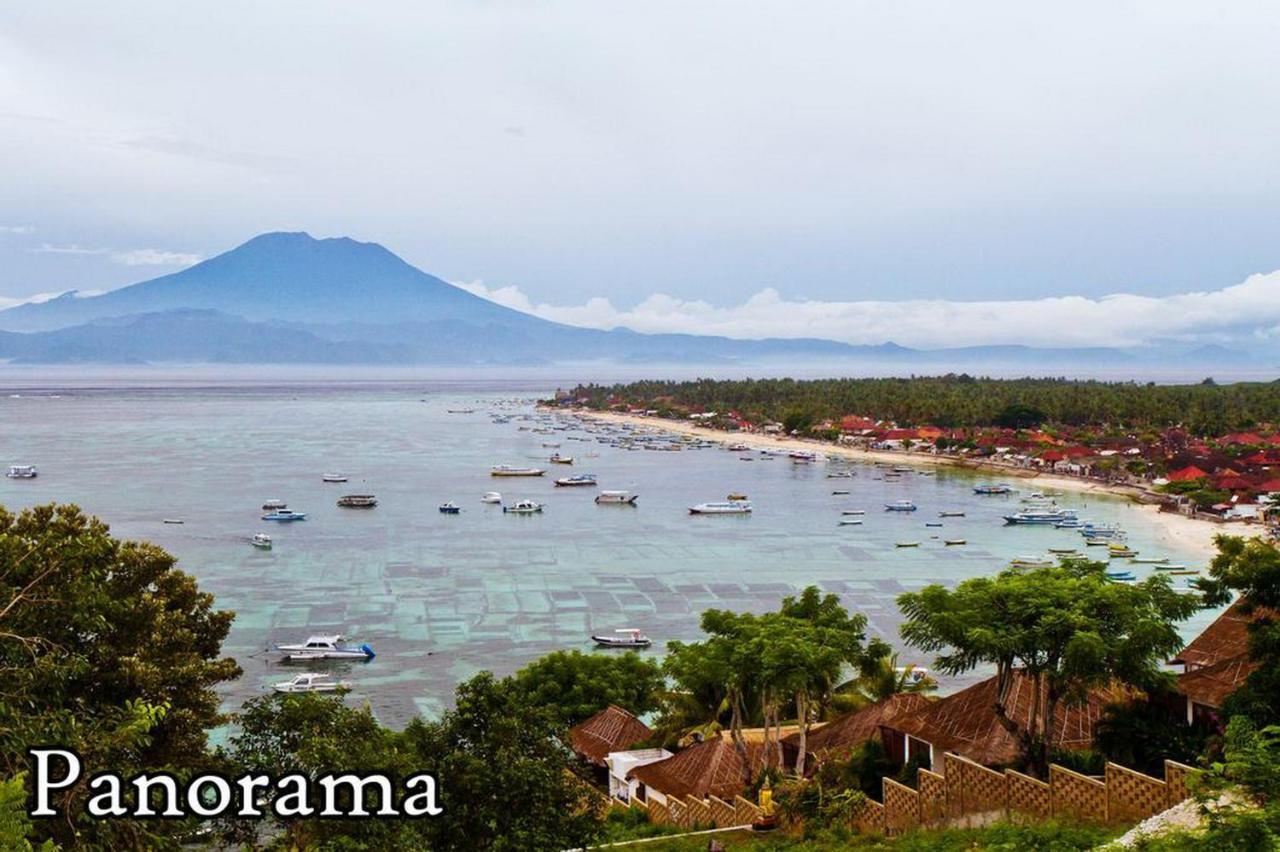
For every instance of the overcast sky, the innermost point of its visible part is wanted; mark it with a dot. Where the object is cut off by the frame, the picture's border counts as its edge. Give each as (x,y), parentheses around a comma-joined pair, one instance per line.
(772,165)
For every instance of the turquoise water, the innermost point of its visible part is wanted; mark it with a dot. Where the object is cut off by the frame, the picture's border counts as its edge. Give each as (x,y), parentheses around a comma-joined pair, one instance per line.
(441,597)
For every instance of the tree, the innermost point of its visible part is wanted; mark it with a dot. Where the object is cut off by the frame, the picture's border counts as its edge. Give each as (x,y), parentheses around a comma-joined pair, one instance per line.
(109,650)
(1067,628)
(879,678)
(575,686)
(15,825)
(1252,569)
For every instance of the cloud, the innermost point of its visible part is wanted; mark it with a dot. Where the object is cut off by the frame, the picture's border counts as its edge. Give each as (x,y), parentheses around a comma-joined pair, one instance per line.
(130,257)
(17,229)
(1242,314)
(36,298)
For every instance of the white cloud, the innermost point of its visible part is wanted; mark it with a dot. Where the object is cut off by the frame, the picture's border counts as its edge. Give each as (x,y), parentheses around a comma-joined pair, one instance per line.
(1237,315)
(154,257)
(129,257)
(17,229)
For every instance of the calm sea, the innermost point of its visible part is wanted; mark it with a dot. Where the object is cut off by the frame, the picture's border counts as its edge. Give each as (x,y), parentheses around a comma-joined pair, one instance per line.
(440,597)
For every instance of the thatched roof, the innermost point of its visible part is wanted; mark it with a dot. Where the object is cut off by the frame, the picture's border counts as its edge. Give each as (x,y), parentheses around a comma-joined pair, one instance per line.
(846,733)
(711,768)
(612,729)
(1226,637)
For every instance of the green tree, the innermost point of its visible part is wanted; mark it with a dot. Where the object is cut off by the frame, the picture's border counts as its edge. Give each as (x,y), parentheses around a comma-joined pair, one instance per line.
(15,825)
(879,678)
(575,686)
(109,650)
(1067,628)
(1251,569)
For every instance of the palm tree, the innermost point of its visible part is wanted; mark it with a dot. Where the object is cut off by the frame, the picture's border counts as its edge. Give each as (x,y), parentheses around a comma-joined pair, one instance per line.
(879,678)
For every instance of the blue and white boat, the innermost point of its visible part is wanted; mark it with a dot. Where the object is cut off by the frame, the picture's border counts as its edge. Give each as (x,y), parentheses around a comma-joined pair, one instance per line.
(450,508)
(587,479)
(325,646)
(900,506)
(1040,516)
(284,515)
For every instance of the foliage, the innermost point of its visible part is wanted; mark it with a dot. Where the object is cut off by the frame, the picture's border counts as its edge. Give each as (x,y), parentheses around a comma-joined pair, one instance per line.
(862,769)
(1142,734)
(108,650)
(961,401)
(504,780)
(1019,416)
(1066,628)
(575,686)
(878,678)
(15,825)
(1252,569)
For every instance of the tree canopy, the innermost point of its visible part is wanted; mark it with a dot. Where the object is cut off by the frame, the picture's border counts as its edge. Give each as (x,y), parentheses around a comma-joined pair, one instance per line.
(575,685)
(1067,628)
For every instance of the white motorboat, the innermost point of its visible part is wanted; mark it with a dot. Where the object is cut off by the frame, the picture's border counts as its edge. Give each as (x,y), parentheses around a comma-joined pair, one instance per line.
(621,497)
(261,540)
(627,637)
(273,504)
(508,470)
(494,497)
(334,477)
(22,471)
(312,682)
(1042,516)
(523,507)
(357,501)
(284,515)
(900,506)
(559,459)
(585,479)
(851,522)
(727,507)
(325,646)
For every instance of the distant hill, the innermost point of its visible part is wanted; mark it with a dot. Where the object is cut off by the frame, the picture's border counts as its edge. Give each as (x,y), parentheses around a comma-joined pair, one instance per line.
(291,298)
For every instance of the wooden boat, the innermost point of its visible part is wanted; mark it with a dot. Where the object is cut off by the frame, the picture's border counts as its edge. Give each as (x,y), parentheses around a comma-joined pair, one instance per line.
(559,459)
(900,506)
(736,495)
(1149,560)
(1064,551)
(625,498)
(839,493)
(932,524)
(508,470)
(173,520)
(907,544)
(357,501)
(951,514)
(953,541)
(333,477)
(851,522)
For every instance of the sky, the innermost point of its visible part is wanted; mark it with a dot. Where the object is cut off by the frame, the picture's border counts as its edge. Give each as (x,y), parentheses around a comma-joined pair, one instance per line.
(933,173)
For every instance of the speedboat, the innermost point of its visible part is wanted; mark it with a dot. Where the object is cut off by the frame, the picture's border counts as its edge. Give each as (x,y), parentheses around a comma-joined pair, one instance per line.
(312,682)
(508,470)
(992,489)
(358,501)
(22,471)
(626,638)
(900,506)
(273,504)
(284,515)
(621,497)
(729,507)
(261,540)
(449,509)
(491,497)
(333,477)
(523,507)
(579,480)
(325,646)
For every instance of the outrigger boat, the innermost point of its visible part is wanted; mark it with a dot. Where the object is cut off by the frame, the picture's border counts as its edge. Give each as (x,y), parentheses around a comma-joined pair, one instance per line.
(627,637)
(284,515)
(508,470)
(621,497)
(325,646)
(334,477)
(313,682)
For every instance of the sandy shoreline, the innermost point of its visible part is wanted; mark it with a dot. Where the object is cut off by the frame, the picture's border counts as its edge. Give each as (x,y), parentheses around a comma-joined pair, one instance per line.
(1191,533)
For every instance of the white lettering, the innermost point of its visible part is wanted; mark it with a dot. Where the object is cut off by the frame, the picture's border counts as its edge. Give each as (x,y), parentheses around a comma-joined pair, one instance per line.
(43,785)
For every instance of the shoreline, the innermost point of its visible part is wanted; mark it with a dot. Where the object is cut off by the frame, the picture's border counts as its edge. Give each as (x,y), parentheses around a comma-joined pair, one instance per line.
(1192,533)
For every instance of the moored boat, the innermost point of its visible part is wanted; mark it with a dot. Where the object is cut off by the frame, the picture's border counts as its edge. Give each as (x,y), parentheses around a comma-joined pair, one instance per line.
(449,508)
(334,477)
(736,495)
(325,646)
(508,470)
(625,498)
(559,459)
(582,479)
(627,637)
(22,471)
(312,682)
(261,541)
(523,507)
(900,506)
(729,507)
(951,542)
(989,489)
(273,504)
(284,515)
(357,501)
(494,497)
(951,514)
(1047,516)
(907,544)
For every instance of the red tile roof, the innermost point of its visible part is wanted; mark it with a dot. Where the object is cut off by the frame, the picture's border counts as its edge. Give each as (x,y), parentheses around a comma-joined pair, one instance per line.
(966,723)
(612,729)
(845,733)
(1187,474)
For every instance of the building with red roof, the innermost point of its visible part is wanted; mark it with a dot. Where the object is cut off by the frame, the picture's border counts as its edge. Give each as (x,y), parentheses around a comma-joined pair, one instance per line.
(1190,473)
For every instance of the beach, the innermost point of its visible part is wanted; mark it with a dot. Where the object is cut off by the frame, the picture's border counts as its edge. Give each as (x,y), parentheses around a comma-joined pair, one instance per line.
(1193,533)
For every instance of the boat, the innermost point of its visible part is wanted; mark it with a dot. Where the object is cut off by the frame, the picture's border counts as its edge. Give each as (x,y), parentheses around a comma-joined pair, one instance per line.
(334,477)
(1171,568)
(1121,554)
(1096,542)
(1039,516)
(628,637)
(284,515)
(1030,562)
(1120,576)
(358,501)
(559,459)
(854,512)
(953,541)
(173,520)
(738,448)
(839,493)
(508,470)
(951,514)
(736,495)
(523,507)
(312,682)
(932,524)
(22,471)
(491,497)
(1186,571)
(851,522)
(802,457)
(730,507)
(900,506)
(582,479)
(1150,560)
(449,509)
(325,646)
(1069,524)
(988,489)
(261,540)
(1064,551)
(460,411)
(273,504)
(907,544)
(620,497)
(902,469)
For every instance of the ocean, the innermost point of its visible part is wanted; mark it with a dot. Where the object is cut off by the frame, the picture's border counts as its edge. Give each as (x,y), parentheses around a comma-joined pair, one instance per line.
(441,597)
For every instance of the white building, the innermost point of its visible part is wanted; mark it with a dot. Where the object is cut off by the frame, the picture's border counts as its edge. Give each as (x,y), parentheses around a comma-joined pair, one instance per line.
(620,765)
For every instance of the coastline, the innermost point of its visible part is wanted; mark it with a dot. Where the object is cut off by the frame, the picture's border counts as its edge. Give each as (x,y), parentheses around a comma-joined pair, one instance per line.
(1191,533)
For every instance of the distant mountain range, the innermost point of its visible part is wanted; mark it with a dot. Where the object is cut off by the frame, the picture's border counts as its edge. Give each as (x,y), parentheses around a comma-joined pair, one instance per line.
(287,298)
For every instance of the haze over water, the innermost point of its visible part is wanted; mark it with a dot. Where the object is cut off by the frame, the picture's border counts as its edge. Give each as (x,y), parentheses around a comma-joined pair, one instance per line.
(440,597)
